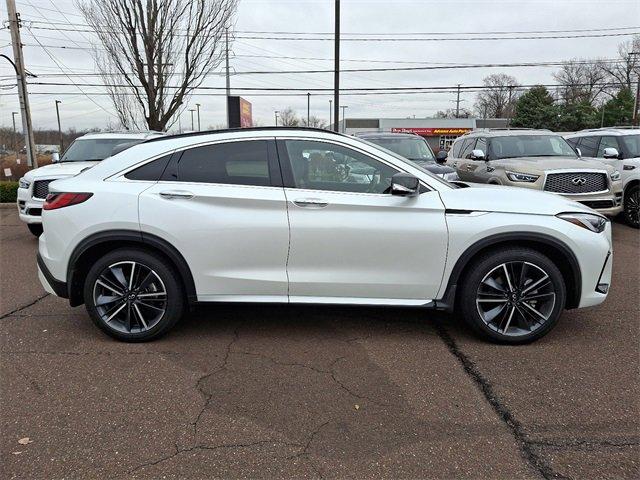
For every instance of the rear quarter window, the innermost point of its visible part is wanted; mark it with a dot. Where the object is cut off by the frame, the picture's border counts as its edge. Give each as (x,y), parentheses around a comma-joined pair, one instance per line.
(151,171)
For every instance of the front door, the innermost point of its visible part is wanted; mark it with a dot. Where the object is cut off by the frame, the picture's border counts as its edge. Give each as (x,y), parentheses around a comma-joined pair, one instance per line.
(223,207)
(351,240)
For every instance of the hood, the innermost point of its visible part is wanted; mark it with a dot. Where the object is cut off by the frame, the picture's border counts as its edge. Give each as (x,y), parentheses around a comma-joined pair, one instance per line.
(434,167)
(497,198)
(540,165)
(57,170)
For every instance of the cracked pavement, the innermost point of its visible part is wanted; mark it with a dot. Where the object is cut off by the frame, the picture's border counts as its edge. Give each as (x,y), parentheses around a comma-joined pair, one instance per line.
(258,391)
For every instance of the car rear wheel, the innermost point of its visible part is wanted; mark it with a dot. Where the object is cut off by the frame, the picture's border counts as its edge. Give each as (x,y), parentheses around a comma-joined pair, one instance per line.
(35,228)
(632,206)
(515,295)
(133,295)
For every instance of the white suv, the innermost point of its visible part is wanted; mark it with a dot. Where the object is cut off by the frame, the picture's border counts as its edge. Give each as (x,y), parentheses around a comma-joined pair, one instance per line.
(285,215)
(83,153)
(620,148)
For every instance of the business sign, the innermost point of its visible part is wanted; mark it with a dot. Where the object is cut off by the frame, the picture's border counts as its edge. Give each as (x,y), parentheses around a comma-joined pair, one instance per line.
(431,131)
(240,115)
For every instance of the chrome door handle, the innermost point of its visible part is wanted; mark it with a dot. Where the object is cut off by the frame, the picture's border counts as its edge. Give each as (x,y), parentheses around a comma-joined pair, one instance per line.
(177,194)
(310,203)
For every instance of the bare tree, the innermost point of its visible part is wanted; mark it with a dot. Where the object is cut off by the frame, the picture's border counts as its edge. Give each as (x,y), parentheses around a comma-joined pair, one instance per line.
(498,98)
(581,81)
(314,121)
(622,72)
(451,113)
(288,118)
(154,53)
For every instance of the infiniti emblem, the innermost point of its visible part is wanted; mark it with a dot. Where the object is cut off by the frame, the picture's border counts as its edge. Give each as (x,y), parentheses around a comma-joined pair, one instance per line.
(579,181)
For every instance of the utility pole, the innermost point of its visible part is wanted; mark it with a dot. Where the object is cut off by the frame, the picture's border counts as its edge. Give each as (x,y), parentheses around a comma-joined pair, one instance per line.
(636,102)
(58,102)
(458,103)
(308,107)
(15,138)
(192,126)
(228,79)
(14,26)
(198,107)
(336,68)
(344,121)
(330,113)
(275,116)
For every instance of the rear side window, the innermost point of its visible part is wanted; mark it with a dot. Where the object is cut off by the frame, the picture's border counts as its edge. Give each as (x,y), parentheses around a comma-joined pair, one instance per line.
(151,171)
(237,163)
(588,146)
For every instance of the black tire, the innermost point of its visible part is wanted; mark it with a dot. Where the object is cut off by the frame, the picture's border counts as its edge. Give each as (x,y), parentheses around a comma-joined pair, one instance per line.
(129,325)
(631,205)
(482,284)
(35,228)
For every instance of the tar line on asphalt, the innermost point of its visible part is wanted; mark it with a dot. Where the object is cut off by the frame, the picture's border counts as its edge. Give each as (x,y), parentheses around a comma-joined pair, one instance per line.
(22,307)
(526,447)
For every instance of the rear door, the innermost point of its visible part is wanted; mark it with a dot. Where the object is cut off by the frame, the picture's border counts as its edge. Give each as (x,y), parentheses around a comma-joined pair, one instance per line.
(351,240)
(223,207)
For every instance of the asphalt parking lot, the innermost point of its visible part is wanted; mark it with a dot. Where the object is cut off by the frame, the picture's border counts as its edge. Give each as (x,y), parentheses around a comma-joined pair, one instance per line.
(307,392)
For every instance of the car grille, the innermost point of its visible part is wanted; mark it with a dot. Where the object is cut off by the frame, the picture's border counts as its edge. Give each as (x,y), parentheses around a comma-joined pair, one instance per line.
(576,182)
(41,188)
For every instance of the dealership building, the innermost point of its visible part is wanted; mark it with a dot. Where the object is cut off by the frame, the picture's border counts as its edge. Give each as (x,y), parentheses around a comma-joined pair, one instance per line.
(440,133)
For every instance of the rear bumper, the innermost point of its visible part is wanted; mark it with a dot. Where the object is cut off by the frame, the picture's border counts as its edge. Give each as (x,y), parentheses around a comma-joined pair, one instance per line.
(49,282)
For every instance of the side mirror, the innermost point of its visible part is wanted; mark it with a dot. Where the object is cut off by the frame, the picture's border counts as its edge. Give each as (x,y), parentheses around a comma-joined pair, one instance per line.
(578,152)
(610,153)
(55,157)
(441,156)
(477,155)
(405,185)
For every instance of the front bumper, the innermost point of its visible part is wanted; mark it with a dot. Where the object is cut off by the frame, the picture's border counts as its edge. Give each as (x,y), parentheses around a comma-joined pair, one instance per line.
(29,208)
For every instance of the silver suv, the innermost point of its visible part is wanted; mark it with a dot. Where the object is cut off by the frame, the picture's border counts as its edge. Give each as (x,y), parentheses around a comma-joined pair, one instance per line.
(620,148)
(536,159)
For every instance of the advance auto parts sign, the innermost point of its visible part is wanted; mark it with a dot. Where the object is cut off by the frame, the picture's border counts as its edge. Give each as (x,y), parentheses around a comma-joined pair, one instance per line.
(431,131)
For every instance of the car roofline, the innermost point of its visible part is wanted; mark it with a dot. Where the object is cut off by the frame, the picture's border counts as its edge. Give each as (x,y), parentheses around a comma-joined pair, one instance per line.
(239,130)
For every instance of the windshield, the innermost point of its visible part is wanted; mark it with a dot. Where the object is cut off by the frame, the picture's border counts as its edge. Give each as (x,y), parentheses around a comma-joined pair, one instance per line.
(631,145)
(412,148)
(529,146)
(93,149)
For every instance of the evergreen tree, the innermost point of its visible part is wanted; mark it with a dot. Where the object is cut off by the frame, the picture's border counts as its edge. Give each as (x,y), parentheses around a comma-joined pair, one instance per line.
(618,110)
(536,109)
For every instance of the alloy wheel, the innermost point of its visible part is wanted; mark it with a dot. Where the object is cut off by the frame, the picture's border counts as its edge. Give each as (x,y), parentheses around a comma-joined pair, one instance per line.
(632,207)
(515,298)
(129,297)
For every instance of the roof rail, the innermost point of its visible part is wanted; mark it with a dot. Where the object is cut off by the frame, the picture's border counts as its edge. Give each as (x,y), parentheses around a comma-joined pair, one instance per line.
(617,127)
(248,129)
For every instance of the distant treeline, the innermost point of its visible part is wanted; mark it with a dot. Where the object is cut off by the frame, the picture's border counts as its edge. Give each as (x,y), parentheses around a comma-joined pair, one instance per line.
(42,137)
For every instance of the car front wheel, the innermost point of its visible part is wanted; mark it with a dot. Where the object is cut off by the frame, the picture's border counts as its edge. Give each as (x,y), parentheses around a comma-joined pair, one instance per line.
(632,206)
(514,295)
(133,295)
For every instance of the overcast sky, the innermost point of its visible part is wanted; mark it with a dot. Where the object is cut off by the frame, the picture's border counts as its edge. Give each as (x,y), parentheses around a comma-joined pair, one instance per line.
(358,16)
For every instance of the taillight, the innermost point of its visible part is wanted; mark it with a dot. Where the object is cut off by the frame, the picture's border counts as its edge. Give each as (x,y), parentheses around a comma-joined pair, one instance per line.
(60,200)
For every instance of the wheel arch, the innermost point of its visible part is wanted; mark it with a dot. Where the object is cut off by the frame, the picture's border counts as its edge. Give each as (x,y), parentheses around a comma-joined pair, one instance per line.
(632,183)
(553,248)
(101,243)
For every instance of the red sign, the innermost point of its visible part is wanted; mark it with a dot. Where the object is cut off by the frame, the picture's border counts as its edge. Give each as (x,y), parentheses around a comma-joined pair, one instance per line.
(246,119)
(431,131)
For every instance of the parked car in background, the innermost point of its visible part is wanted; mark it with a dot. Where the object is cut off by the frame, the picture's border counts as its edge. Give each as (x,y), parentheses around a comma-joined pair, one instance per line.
(244,216)
(83,153)
(620,148)
(412,147)
(536,159)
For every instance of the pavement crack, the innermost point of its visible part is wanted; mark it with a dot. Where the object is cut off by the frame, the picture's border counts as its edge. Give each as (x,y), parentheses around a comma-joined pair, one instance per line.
(526,446)
(586,444)
(306,446)
(22,307)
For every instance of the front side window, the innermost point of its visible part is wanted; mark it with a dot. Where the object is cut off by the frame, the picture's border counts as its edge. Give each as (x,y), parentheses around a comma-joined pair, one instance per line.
(326,166)
(481,145)
(95,149)
(529,146)
(468,147)
(237,163)
(607,142)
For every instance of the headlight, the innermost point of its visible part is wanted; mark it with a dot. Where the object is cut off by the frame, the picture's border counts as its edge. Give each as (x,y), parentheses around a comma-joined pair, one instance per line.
(522,177)
(22,183)
(590,221)
(615,175)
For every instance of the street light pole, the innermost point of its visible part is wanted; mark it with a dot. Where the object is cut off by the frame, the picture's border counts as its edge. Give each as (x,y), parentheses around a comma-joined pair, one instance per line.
(634,120)
(15,138)
(192,126)
(330,113)
(344,121)
(58,102)
(275,115)
(198,107)
(336,68)
(308,107)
